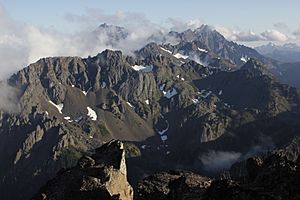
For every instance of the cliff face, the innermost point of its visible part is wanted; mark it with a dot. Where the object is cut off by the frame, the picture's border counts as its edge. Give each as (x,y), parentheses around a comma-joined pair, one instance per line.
(102,175)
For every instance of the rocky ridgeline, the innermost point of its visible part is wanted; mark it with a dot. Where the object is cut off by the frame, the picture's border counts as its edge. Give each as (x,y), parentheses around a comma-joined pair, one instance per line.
(272,176)
(102,175)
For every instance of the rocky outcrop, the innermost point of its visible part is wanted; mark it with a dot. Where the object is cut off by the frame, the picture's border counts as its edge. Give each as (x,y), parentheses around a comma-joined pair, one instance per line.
(172,185)
(272,176)
(102,175)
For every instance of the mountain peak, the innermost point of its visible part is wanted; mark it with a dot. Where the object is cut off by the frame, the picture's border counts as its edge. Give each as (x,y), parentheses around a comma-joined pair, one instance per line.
(89,179)
(255,67)
(205,27)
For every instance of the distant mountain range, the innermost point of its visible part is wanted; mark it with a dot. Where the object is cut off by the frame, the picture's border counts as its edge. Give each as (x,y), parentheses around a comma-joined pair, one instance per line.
(201,104)
(286,53)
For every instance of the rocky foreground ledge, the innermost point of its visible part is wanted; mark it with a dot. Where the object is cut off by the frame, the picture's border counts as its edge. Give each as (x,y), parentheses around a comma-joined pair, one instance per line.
(100,176)
(103,176)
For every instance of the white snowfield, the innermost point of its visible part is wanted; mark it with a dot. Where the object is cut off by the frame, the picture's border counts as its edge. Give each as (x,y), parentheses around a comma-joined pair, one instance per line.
(103,84)
(244,59)
(178,55)
(92,114)
(68,119)
(59,107)
(162,87)
(162,132)
(147,68)
(202,50)
(130,104)
(166,50)
(147,101)
(195,101)
(205,94)
(164,138)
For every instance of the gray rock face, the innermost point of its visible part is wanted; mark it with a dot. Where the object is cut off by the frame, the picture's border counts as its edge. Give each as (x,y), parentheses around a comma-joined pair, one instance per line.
(218,45)
(172,185)
(100,176)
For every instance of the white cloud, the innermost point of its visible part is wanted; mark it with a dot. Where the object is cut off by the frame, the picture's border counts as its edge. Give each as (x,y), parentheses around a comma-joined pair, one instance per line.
(274,35)
(22,44)
(8,99)
(219,160)
(251,36)
(180,25)
(248,36)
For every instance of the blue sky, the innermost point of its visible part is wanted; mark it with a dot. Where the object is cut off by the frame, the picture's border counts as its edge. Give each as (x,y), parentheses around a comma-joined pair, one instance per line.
(256,15)
(31,29)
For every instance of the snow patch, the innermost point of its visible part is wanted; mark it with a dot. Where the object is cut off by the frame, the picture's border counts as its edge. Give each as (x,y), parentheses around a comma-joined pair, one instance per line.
(59,107)
(162,87)
(178,55)
(164,138)
(166,50)
(86,92)
(147,68)
(206,94)
(68,119)
(164,131)
(91,113)
(202,50)
(147,101)
(244,59)
(103,84)
(195,101)
(130,104)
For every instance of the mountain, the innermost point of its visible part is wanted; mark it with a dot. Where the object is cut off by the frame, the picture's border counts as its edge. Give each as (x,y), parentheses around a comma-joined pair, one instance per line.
(287,53)
(215,42)
(288,73)
(171,109)
(113,34)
